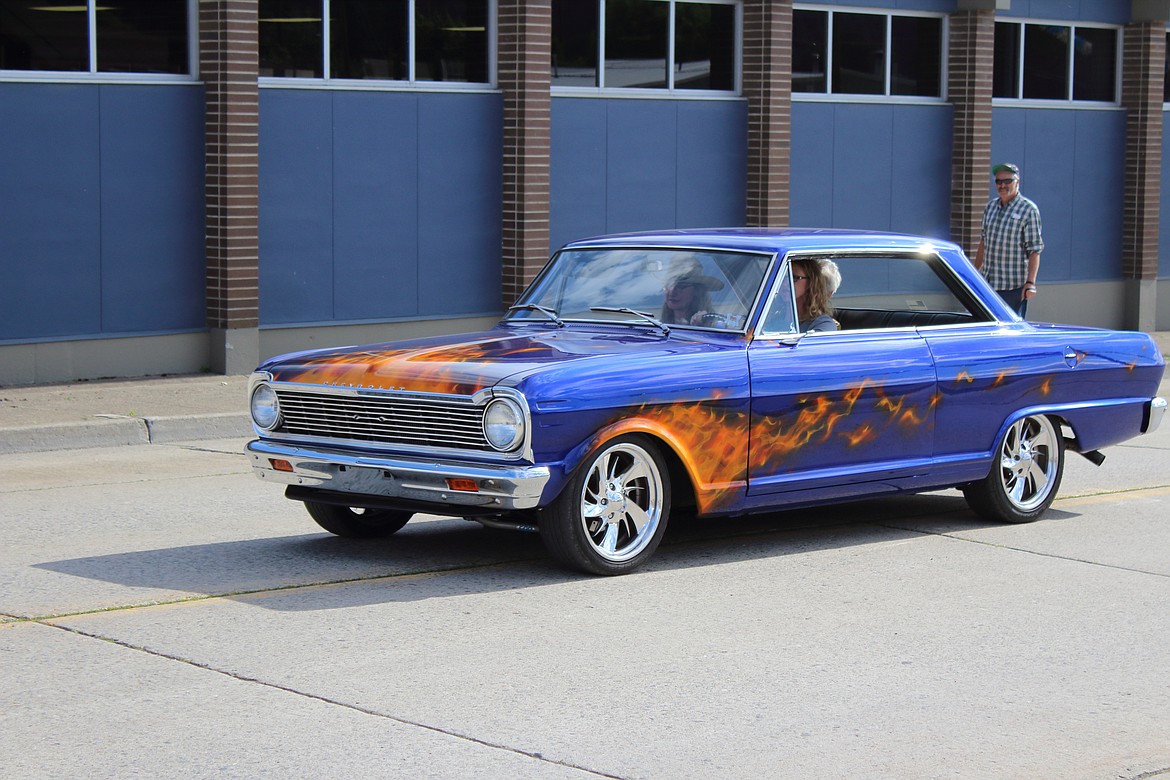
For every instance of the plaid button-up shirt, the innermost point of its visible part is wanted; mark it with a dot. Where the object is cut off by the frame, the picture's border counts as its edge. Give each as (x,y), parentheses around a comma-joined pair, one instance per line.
(1010,234)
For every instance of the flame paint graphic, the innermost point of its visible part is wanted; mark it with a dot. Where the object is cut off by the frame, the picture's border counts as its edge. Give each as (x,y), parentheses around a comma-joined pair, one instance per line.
(440,369)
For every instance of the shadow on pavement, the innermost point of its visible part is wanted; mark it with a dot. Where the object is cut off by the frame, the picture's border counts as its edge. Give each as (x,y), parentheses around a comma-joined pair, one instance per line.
(272,572)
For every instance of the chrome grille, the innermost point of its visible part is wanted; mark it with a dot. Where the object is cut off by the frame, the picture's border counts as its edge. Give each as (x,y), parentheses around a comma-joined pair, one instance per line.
(383,419)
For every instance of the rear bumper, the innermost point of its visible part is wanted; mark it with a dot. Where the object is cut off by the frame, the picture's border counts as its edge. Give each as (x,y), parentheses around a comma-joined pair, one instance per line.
(1155,411)
(413,480)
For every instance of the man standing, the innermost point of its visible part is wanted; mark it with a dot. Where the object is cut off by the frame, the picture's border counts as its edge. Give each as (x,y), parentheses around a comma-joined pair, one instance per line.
(1010,243)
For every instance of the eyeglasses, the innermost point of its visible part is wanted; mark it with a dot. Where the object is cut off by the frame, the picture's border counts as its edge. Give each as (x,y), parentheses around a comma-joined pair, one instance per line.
(1003,182)
(799,277)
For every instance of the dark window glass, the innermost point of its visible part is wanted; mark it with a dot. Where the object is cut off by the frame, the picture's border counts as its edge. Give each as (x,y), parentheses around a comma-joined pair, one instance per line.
(44,36)
(1006,76)
(810,33)
(859,54)
(575,27)
(368,39)
(1046,61)
(451,40)
(635,43)
(1166,77)
(916,56)
(1094,64)
(290,38)
(704,46)
(142,36)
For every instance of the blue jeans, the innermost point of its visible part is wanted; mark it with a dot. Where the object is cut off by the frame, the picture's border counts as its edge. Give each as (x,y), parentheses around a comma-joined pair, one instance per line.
(1015,299)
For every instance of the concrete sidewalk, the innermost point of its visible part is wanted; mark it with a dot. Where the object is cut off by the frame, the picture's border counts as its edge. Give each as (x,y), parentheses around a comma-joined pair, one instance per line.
(116,412)
(109,413)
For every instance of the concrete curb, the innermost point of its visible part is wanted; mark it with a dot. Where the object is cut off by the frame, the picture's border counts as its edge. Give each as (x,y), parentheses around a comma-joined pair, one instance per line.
(118,431)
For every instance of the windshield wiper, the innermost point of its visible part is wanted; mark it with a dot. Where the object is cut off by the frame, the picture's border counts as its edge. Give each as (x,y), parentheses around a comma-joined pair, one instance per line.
(650,318)
(550,313)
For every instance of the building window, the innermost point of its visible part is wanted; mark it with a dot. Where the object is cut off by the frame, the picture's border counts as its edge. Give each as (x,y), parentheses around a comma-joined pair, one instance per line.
(1037,61)
(851,53)
(645,44)
(81,36)
(388,40)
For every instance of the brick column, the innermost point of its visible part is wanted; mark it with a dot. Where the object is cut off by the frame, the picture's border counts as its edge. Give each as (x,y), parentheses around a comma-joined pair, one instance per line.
(228,67)
(767,85)
(1141,95)
(970,54)
(524,74)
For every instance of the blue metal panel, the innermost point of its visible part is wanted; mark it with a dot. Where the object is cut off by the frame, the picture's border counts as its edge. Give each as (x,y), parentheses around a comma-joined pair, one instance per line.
(296,206)
(620,165)
(50,245)
(872,166)
(641,159)
(1072,165)
(1098,195)
(1100,11)
(862,166)
(811,196)
(712,163)
(934,6)
(153,266)
(375,205)
(577,175)
(459,196)
(920,187)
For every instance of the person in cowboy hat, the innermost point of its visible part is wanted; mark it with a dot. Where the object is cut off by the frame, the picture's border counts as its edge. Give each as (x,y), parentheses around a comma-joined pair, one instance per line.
(688,292)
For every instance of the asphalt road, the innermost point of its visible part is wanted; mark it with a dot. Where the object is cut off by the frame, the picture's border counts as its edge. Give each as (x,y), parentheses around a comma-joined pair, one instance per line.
(168,615)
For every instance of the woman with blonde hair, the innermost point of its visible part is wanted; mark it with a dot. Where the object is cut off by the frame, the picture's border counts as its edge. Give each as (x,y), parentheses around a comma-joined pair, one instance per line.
(814,281)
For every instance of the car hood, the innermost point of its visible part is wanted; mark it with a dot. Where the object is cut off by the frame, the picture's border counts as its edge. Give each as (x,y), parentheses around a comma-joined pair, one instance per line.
(466,363)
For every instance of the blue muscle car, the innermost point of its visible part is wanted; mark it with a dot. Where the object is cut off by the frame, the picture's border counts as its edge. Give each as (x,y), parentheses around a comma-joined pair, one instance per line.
(645,372)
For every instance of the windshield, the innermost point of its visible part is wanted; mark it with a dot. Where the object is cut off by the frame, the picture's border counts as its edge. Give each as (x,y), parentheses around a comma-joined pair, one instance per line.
(675,287)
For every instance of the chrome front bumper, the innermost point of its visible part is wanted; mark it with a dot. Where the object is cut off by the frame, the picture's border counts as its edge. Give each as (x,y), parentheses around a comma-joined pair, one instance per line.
(502,487)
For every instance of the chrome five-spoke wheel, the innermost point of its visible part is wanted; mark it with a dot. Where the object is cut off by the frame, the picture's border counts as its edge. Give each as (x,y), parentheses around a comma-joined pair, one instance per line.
(1026,474)
(611,516)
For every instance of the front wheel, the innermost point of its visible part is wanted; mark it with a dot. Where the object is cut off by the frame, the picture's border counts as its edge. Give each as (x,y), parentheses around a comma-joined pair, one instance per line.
(611,516)
(1025,476)
(354,523)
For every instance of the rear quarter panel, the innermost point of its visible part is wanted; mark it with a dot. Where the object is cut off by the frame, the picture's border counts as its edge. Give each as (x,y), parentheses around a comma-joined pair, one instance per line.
(1096,380)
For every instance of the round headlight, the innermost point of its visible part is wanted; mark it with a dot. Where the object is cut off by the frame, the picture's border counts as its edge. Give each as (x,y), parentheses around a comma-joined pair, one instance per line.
(503,424)
(265,407)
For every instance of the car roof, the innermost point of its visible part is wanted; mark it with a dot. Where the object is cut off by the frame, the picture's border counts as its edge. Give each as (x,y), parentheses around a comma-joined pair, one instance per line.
(772,240)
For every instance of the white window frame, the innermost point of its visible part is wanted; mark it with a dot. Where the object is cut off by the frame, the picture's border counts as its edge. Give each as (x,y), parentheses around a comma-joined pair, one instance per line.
(1068,101)
(410,84)
(669,91)
(829,96)
(93,75)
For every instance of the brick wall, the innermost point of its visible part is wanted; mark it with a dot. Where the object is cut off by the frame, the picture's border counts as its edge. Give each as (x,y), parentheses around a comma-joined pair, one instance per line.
(524,73)
(970,53)
(1141,95)
(228,68)
(767,85)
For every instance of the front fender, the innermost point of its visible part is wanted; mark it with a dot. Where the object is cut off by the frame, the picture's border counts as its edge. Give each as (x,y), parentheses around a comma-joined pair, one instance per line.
(709,441)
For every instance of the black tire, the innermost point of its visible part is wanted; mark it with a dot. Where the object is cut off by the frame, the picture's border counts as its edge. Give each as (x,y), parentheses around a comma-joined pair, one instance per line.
(357,523)
(1025,474)
(611,516)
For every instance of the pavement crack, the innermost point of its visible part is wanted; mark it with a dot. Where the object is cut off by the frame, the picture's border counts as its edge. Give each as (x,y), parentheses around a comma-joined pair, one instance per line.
(1013,548)
(337,703)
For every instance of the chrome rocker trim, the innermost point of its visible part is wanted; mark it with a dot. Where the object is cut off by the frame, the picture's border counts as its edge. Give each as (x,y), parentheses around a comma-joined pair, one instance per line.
(502,487)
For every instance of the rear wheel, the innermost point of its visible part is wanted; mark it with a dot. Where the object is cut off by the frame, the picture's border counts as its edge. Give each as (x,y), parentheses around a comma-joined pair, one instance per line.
(611,516)
(355,523)
(1025,476)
